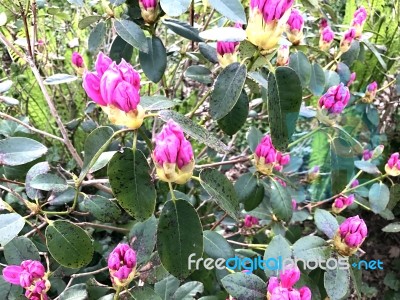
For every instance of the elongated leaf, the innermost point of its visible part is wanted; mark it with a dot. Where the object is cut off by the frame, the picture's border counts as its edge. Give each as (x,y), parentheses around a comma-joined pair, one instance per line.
(69,244)
(120,49)
(8,290)
(188,290)
(310,248)
(210,53)
(337,283)
(379,196)
(174,8)
(75,292)
(227,90)
(195,131)
(317,80)
(254,136)
(249,191)
(59,79)
(156,103)
(144,234)
(215,246)
(344,72)
(167,287)
(342,164)
(179,235)
(244,286)
(235,119)
(18,151)
(102,208)
(326,222)
(20,249)
(131,183)
(49,182)
(284,101)
(10,225)
(39,168)
(393,227)
(87,21)
(221,190)
(231,9)
(154,61)
(96,37)
(183,29)
(376,53)
(366,166)
(281,201)
(299,62)
(5,86)
(199,73)
(352,54)
(278,247)
(331,78)
(132,34)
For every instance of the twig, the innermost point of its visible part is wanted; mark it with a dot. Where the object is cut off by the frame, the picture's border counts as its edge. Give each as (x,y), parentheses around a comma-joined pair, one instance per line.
(102,226)
(228,162)
(219,222)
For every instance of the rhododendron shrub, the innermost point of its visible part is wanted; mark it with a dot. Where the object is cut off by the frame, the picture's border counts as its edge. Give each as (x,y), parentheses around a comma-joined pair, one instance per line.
(199,149)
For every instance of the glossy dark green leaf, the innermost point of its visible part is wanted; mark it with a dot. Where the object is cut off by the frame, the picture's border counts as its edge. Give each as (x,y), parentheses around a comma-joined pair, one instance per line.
(102,209)
(379,195)
(183,29)
(194,130)
(179,235)
(221,190)
(284,101)
(10,225)
(188,291)
(232,10)
(208,52)
(143,235)
(96,37)
(174,8)
(235,119)
(351,55)
(337,283)
(317,80)
(75,292)
(69,244)
(366,166)
(277,247)
(132,34)
(216,246)
(249,190)
(59,79)
(199,73)
(87,21)
(49,182)
(20,249)
(342,164)
(9,291)
(332,78)
(16,151)
(254,136)
(326,222)
(39,168)
(154,61)
(167,287)
(311,247)
(298,61)
(244,286)
(141,293)
(156,103)
(344,72)
(120,49)
(227,90)
(281,201)
(375,51)
(131,183)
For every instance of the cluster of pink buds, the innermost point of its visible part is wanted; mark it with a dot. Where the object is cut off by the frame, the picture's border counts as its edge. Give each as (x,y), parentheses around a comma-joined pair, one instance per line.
(149,10)
(116,89)
(342,202)
(347,39)
(335,99)
(282,288)
(267,21)
(294,28)
(326,38)
(359,18)
(282,57)
(250,221)
(393,165)
(122,265)
(31,275)
(267,158)
(173,154)
(367,154)
(370,92)
(227,51)
(350,235)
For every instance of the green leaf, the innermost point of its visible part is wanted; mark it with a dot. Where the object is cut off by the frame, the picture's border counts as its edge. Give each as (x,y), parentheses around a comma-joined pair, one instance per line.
(249,191)
(310,248)
(379,196)
(253,136)
(393,227)
(9,100)
(96,37)
(131,183)
(337,283)
(299,62)
(342,164)
(132,34)
(277,247)
(20,249)
(49,182)
(156,103)
(175,8)
(343,72)
(195,131)
(75,292)
(69,244)
(351,55)
(326,222)
(183,29)
(259,78)
(199,73)
(244,286)
(10,225)
(216,246)
(102,208)
(227,90)
(317,80)
(366,166)
(103,160)
(39,168)
(221,190)
(281,201)
(9,291)
(376,53)
(284,101)
(394,196)
(179,235)
(95,141)
(235,119)
(331,79)
(188,290)
(59,79)
(120,49)
(232,10)
(143,235)
(141,293)
(87,21)
(17,151)
(5,86)
(210,53)
(154,61)
(167,287)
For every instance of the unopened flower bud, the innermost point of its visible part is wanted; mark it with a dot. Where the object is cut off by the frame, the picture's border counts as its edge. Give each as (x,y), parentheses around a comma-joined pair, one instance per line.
(370,92)
(392,167)
(149,10)
(355,183)
(350,235)
(342,202)
(294,28)
(122,265)
(227,51)
(335,99)
(282,57)
(77,60)
(289,277)
(323,23)
(266,157)
(250,221)
(367,154)
(359,18)
(326,38)
(305,293)
(347,39)
(352,78)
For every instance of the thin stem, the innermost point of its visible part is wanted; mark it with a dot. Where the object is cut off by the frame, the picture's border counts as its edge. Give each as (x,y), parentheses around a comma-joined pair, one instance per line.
(304,137)
(202,100)
(171,189)
(333,61)
(365,183)
(366,207)
(386,86)
(134,142)
(102,226)
(145,138)
(222,163)
(117,291)
(216,224)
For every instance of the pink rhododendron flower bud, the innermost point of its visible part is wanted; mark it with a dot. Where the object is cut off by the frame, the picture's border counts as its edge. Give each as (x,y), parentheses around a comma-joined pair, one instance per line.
(35,296)
(367,154)
(102,63)
(313,174)
(122,265)
(323,24)
(281,160)
(294,28)
(392,167)
(280,293)
(282,57)
(35,268)
(227,51)
(77,60)
(266,157)
(335,99)
(305,293)
(342,202)
(352,78)
(370,92)
(326,38)
(267,21)
(347,40)
(12,274)
(25,279)
(354,183)
(294,204)
(359,18)
(289,276)
(350,235)
(149,10)
(250,221)
(273,283)
(173,154)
